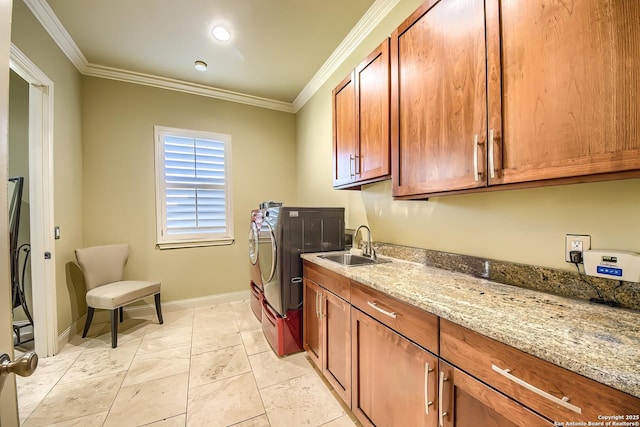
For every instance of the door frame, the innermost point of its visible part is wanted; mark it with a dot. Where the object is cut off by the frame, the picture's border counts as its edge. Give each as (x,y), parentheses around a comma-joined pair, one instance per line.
(8,399)
(43,271)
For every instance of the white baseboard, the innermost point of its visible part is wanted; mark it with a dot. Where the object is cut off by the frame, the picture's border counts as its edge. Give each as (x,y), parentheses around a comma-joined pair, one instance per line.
(63,338)
(150,309)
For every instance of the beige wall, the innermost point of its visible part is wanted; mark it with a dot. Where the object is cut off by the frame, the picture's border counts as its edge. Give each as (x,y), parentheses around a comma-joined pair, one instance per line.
(29,36)
(119,186)
(19,130)
(526,226)
(314,129)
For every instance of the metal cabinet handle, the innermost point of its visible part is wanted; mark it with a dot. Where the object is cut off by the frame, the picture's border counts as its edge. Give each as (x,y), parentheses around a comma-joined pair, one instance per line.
(388,313)
(352,171)
(318,304)
(476,144)
(427,402)
(492,169)
(441,413)
(564,402)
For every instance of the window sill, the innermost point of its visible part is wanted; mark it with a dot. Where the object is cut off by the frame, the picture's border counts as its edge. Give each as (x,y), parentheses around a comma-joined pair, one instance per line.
(194,244)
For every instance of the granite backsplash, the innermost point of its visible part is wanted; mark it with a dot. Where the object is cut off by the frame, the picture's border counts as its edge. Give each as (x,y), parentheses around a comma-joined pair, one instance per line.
(544,279)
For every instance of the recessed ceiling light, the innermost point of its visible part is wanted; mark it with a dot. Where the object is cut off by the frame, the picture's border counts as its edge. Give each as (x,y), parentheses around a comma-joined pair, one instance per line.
(221,33)
(201,65)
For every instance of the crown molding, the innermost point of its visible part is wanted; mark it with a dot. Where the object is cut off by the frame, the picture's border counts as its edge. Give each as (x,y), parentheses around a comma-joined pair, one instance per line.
(185,86)
(376,13)
(48,19)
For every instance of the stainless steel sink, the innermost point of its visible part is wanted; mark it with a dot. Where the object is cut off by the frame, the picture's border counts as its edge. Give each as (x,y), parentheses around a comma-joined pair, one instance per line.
(352,260)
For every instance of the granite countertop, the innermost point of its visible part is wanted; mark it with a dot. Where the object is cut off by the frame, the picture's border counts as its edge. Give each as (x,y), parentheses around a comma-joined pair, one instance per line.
(599,342)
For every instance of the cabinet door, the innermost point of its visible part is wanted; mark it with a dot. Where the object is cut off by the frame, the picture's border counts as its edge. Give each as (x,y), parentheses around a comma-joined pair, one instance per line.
(468,402)
(344,132)
(394,381)
(438,99)
(372,96)
(567,103)
(312,327)
(336,366)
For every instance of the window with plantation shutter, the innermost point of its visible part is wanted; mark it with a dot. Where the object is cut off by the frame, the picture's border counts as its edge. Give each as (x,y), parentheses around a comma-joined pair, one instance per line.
(193,203)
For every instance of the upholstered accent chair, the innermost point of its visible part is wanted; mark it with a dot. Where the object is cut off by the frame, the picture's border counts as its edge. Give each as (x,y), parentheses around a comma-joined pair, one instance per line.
(103,270)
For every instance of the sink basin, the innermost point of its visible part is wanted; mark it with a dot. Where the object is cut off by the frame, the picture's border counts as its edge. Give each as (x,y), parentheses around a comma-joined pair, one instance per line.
(352,260)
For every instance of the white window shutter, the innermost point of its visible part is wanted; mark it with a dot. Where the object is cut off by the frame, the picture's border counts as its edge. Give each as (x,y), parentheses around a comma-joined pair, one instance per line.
(193,181)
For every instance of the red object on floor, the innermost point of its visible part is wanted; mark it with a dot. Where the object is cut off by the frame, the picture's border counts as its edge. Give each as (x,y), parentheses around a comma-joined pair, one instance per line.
(284,334)
(256,300)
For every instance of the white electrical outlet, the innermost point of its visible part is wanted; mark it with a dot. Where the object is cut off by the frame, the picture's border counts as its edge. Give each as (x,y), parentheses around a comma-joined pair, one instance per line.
(576,242)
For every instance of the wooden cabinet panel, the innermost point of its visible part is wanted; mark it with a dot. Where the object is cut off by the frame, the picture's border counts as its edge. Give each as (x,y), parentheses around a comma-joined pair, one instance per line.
(468,402)
(344,131)
(361,150)
(327,327)
(394,380)
(337,345)
(312,327)
(480,356)
(549,90)
(372,93)
(438,107)
(568,90)
(410,321)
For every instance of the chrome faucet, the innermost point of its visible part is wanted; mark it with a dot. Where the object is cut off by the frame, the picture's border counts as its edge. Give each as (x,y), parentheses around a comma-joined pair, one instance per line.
(368,249)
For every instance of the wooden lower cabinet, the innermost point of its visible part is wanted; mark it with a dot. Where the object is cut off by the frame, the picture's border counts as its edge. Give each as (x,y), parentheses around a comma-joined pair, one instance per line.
(336,367)
(311,322)
(327,336)
(466,402)
(394,381)
(370,348)
(550,390)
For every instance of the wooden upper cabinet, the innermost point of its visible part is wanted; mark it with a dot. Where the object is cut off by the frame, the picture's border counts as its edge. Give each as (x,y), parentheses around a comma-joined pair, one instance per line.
(517,93)
(344,132)
(372,95)
(438,98)
(361,122)
(569,87)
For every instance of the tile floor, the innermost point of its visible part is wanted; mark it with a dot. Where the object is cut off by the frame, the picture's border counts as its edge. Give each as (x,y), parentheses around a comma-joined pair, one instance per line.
(208,366)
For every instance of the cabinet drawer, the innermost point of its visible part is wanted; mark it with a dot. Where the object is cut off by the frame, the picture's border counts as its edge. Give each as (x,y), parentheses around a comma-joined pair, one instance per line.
(469,402)
(536,383)
(415,324)
(329,280)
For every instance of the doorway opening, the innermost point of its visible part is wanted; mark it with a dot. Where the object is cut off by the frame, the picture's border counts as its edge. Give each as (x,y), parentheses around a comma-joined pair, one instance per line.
(34,165)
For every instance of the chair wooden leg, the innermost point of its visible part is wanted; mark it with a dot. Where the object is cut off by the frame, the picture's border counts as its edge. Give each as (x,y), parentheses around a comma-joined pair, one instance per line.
(121,312)
(158,308)
(114,328)
(87,322)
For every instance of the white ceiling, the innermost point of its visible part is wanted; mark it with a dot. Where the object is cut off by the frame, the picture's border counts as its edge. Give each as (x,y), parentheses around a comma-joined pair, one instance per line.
(281,51)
